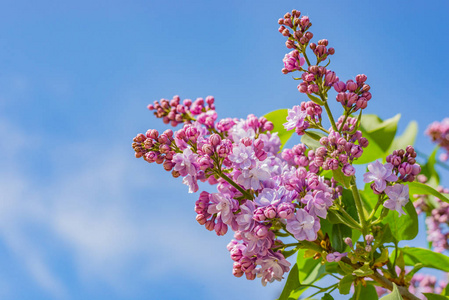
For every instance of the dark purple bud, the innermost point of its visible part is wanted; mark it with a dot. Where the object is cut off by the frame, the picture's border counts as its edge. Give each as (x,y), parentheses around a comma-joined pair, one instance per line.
(363,142)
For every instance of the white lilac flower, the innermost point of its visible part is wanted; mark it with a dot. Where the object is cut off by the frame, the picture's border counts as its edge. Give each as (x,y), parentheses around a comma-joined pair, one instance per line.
(380,174)
(398,197)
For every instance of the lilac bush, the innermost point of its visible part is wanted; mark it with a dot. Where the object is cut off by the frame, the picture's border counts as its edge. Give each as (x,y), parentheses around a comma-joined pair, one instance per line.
(305,200)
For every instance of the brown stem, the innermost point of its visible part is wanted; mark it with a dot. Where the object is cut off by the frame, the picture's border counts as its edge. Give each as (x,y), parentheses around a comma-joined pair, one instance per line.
(389,285)
(384,282)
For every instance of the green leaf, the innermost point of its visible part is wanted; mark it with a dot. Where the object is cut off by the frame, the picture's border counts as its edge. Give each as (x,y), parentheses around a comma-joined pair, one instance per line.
(367,292)
(429,169)
(394,295)
(341,178)
(431,296)
(364,271)
(312,139)
(406,139)
(428,258)
(380,135)
(424,189)
(403,227)
(305,271)
(291,284)
(279,117)
(339,233)
(446,291)
(345,284)
(327,296)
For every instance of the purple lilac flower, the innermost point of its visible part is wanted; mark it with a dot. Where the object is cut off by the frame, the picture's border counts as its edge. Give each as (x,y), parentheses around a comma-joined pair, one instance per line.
(296,119)
(303,226)
(191,182)
(380,174)
(243,156)
(185,162)
(251,178)
(245,217)
(335,256)
(317,203)
(291,62)
(223,205)
(399,196)
(273,267)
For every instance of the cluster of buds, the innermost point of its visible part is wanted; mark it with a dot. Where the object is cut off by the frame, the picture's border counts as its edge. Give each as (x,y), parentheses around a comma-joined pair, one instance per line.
(312,78)
(156,148)
(404,164)
(439,133)
(299,26)
(353,95)
(340,150)
(321,51)
(174,112)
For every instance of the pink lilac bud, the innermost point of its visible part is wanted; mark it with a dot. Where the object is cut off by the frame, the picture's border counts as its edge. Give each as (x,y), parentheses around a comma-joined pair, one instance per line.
(348,170)
(261,231)
(259,214)
(351,85)
(270,212)
(369,238)
(348,242)
(361,78)
(286,210)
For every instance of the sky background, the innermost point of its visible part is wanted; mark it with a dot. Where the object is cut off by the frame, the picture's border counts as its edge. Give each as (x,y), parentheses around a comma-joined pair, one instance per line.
(80,217)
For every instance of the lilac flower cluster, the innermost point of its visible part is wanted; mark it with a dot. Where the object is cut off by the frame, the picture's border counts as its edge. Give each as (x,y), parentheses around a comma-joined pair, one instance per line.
(259,194)
(174,112)
(439,133)
(386,178)
(437,219)
(424,283)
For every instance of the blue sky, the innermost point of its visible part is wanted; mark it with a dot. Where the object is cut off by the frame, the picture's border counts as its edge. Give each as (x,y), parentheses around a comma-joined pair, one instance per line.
(80,217)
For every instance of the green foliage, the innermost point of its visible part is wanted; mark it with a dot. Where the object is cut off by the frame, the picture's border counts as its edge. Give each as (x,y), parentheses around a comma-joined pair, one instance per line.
(327,296)
(344,286)
(279,117)
(427,258)
(407,138)
(403,227)
(394,295)
(380,135)
(367,292)
(312,139)
(339,233)
(431,296)
(305,272)
(341,178)
(421,188)
(433,179)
